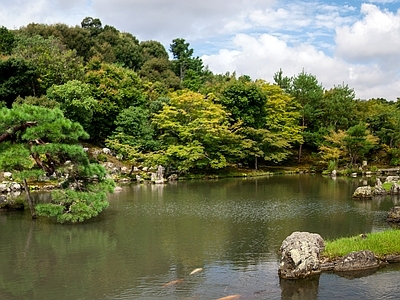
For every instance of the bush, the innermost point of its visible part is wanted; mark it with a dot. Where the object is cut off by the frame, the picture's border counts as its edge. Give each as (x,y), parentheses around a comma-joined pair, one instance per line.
(102,157)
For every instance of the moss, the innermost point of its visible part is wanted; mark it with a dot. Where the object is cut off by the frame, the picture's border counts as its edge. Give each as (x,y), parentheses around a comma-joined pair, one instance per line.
(387,186)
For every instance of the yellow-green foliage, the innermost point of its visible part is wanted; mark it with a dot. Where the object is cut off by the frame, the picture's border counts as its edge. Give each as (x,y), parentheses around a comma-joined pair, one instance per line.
(381,243)
(387,186)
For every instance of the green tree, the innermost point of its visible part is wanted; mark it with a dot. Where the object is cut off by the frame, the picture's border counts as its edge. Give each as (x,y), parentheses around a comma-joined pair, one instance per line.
(7,40)
(37,140)
(183,59)
(75,100)
(17,78)
(245,101)
(195,134)
(134,128)
(309,93)
(350,145)
(338,105)
(159,70)
(54,64)
(153,49)
(114,88)
(282,123)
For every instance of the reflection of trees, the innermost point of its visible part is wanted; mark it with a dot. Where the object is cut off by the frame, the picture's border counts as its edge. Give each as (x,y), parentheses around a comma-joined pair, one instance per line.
(54,256)
(300,289)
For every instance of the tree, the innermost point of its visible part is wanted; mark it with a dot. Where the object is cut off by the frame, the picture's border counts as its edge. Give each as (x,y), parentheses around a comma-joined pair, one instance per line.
(17,78)
(195,134)
(36,140)
(75,100)
(282,122)
(134,128)
(114,88)
(7,40)
(245,102)
(338,105)
(183,58)
(54,64)
(308,92)
(350,145)
(92,24)
(159,70)
(153,49)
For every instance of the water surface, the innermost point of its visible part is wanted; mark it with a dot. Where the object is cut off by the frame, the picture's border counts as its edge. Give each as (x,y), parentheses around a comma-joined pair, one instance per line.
(155,234)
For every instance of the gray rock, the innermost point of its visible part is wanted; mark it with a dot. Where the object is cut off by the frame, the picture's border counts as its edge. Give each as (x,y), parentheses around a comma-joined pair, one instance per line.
(107,151)
(363,192)
(3,188)
(355,261)
(395,189)
(173,177)
(15,186)
(392,179)
(7,174)
(300,255)
(117,189)
(394,215)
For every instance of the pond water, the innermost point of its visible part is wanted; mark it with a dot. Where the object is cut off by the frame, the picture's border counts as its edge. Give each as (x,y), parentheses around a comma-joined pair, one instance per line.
(146,244)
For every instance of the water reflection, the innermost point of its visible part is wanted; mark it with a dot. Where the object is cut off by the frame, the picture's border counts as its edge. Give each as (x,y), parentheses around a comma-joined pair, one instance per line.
(300,289)
(155,234)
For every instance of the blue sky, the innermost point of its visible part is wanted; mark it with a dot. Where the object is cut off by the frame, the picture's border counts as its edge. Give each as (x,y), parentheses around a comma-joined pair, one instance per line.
(351,42)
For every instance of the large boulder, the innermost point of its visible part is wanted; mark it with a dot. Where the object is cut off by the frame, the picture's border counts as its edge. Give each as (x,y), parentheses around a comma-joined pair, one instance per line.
(363,192)
(394,215)
(356,261)
(300,255)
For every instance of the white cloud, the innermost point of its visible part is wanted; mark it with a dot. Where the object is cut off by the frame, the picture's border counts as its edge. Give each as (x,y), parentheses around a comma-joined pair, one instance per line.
(375,37)
(261,57)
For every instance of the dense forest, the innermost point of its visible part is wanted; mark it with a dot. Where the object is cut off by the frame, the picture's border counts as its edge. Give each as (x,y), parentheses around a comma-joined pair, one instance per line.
(153,106)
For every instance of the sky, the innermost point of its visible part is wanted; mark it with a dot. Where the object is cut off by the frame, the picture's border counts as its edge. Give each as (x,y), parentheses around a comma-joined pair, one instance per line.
(356,43)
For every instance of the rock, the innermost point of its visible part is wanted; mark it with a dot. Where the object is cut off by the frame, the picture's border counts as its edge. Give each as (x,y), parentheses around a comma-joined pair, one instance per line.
(15,186)
(395,189)
(7,174)
(392,179)
(353,174)
(124,170)
(3,188)
(334,173)
(363,192)
(300,255)
(394,215)
(355,261)
(106,151)
(117,189)
(173,177)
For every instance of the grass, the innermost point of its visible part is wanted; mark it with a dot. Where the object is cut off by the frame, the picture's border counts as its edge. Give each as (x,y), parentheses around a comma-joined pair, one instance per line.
(381,243)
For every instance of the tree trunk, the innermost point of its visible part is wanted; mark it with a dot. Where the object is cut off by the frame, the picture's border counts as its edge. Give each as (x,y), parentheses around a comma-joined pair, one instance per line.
(30,202)
(10,132)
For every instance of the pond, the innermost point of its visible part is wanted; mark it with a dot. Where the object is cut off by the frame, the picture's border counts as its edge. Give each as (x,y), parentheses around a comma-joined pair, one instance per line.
(146,244)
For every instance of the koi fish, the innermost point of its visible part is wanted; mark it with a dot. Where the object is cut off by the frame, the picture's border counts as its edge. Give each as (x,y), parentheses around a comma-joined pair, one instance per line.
(196,271)
(173,282)
(230,297)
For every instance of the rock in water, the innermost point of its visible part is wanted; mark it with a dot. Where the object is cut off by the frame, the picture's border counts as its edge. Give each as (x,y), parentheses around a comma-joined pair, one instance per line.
(300,253)
(363,192)
(355,261)
(394,215)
